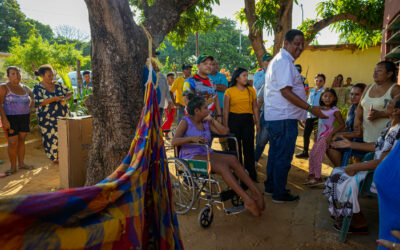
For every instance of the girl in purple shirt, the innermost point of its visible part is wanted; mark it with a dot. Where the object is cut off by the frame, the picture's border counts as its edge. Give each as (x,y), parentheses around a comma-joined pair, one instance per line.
(197,128)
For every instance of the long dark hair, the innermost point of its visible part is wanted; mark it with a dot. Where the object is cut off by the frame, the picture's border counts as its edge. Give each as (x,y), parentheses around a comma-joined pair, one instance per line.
(235,75)
(334,103)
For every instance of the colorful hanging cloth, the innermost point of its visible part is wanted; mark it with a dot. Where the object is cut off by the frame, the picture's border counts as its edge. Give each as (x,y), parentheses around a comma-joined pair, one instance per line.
(131,209)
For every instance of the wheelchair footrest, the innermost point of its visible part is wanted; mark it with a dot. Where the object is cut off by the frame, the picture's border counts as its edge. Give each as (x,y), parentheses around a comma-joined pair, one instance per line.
(235,210)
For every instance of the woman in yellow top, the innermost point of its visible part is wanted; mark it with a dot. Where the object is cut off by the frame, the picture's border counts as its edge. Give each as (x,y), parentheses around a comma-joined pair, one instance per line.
(240,114)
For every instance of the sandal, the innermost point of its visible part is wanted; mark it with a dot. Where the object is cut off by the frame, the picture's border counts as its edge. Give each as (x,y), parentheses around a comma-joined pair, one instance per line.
(9,172)
(26,167)
(316,183)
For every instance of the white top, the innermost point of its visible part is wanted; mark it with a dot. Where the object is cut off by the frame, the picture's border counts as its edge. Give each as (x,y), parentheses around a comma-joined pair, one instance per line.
(281,73)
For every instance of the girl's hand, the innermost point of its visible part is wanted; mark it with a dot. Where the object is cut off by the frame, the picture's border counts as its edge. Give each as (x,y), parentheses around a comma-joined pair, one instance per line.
(208,118)
(344,143)
(351,171)
(329,140)
(389,244)
(198,139)
(6,124)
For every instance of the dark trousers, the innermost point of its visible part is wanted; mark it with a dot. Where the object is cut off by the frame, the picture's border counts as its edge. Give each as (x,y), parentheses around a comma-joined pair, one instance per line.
(242,125)
(282,141)
(308,128)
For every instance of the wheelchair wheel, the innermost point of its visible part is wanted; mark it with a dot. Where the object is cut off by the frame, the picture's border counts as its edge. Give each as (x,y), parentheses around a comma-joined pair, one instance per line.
(236,201)
(182,184)
(206,217)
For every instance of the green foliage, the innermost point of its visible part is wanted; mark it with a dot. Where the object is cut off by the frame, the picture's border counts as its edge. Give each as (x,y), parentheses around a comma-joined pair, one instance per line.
(36,51)
(85,47)
(369,12)
(267,13)
(13,23)
(222,43)
(196,19)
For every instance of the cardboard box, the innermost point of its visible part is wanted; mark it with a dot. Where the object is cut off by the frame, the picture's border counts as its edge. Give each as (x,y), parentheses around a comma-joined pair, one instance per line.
(74,139)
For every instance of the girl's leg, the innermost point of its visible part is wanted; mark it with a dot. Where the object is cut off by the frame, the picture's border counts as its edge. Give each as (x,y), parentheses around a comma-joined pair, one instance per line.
(12,151)
(312,161)
(221,167)
(321,150)
(235,165)
(21,148)
(247,131)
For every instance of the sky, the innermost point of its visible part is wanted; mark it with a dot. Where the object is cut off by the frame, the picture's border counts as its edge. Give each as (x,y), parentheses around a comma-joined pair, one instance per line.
(74,13)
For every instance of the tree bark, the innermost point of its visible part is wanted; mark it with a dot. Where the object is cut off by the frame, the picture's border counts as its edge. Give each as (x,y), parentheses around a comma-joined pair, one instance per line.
(255,36)
(283,24)
(119,51)
(320,25)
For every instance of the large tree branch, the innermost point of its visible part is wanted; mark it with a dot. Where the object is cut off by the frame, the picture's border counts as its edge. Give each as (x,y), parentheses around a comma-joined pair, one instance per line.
(320,25)
(163,15)
(255,36)
(283,24)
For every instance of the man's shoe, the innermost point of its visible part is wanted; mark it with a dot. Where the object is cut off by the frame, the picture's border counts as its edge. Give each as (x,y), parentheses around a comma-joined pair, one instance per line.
(286,198)
(303,155)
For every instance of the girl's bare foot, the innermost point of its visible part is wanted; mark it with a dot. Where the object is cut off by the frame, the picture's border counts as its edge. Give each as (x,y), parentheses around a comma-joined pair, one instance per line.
(252,207)
(259,198)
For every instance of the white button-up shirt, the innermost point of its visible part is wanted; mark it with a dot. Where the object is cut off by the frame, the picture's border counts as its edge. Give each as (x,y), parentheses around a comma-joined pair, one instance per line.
(281,73)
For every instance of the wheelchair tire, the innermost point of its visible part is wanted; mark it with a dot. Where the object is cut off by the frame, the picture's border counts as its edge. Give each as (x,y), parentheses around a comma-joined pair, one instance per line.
(236,201)
(182,184)
(206,217)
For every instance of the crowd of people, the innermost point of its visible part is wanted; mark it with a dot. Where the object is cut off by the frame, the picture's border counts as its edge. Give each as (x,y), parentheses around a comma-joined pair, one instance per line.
(268,109)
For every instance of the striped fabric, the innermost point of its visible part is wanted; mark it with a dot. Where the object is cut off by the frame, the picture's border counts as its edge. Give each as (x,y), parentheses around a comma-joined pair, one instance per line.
(131,209)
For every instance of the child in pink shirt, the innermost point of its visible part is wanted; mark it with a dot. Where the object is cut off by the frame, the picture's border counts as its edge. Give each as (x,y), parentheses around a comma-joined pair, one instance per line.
(326,130)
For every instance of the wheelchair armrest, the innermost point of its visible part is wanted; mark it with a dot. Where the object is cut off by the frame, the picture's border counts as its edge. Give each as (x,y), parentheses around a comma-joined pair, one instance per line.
(230,135)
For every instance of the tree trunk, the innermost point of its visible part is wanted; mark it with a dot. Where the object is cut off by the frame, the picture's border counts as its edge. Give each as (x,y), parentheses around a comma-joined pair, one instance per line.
(283,24)
(119,51)
(255,36)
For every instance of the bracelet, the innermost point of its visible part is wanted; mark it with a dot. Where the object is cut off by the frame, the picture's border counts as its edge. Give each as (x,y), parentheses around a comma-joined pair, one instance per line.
(309,108)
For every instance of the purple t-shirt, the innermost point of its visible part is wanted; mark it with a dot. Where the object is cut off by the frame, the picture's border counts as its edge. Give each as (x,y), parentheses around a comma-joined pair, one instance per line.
(325,126)
(188,151)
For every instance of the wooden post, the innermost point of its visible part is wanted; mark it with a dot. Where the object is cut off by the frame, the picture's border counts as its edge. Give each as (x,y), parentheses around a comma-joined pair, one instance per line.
(79,76)
(197,44)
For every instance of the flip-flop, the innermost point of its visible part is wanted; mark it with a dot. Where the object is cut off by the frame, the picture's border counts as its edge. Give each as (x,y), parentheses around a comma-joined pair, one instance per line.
(26,167)
(2,175)
(9,172)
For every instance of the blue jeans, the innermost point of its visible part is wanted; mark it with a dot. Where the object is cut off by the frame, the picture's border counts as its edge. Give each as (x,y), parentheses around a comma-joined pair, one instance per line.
(282,142)
(180,112)
(261,139)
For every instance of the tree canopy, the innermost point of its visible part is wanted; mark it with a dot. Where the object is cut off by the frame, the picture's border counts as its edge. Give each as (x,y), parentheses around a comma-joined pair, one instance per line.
(198,18)
(36,51)
(222,43)
(357,21)
(14,23)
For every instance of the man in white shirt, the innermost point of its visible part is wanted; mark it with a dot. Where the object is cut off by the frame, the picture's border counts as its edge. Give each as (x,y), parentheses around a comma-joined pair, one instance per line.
(284,104)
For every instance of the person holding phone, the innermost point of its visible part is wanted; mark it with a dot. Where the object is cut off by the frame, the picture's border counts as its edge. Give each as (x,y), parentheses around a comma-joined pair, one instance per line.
(51,102)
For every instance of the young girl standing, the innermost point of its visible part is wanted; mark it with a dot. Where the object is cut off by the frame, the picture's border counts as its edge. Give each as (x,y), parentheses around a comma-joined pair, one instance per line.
(240,114)
(326,131)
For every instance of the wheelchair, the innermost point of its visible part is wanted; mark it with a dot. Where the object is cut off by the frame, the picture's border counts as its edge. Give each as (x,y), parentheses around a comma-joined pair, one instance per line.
(193,180)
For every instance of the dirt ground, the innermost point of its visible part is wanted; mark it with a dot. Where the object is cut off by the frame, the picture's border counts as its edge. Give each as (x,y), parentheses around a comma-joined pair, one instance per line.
(300,225)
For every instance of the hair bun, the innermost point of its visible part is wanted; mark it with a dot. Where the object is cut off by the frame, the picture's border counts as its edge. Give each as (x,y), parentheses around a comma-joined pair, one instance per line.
(36,73)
